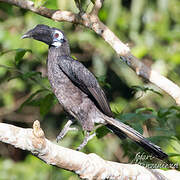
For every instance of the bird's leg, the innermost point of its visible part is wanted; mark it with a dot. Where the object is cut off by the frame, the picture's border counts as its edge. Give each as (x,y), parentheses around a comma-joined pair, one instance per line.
(88,137)
(65,130)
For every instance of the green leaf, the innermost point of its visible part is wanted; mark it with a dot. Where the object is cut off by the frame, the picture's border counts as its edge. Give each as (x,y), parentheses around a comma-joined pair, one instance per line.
(173,154)
(145,89)
(5,52)
(126,117)
(158,139)
(46,104)
(39,3)
(35,102)
(138,127)
(30,74)
(20,54)
(102,81)
(102,131)
(141,110)
(27,101)
(162,113)
(74,57)
(13,77)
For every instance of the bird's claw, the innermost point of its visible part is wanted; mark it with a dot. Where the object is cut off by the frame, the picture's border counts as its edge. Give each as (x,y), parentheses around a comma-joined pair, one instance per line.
(64,130)
(59,137)
(87,138)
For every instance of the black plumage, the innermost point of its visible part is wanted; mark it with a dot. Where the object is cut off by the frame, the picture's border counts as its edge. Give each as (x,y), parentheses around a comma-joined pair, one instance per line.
(78,91)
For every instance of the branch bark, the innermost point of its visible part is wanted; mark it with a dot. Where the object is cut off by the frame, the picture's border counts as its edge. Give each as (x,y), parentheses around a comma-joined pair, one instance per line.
(92,21)
(87,166)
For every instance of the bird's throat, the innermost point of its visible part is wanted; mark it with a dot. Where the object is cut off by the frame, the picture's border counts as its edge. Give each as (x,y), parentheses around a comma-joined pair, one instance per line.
(63,50)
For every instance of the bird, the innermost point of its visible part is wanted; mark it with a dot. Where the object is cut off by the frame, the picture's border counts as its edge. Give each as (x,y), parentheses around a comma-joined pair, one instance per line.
(79,92)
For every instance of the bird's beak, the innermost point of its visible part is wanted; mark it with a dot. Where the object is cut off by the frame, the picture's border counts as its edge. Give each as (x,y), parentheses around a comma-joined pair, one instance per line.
(41,33)
(25,36)
(28,34)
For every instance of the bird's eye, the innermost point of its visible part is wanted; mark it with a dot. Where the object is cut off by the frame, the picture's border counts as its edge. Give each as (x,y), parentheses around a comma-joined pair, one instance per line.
(56,35)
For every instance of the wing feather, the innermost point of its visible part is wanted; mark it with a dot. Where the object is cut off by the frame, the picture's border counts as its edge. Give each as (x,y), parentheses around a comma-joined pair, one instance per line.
(86,81)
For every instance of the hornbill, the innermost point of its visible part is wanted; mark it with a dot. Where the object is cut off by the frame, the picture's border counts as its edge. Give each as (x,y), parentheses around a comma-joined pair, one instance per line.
(79,93)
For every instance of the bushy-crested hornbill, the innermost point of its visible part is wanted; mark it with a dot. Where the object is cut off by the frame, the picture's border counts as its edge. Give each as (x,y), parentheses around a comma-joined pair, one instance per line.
(78,91)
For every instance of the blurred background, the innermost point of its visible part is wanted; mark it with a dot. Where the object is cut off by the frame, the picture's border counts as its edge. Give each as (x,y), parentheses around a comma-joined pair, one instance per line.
(152,30)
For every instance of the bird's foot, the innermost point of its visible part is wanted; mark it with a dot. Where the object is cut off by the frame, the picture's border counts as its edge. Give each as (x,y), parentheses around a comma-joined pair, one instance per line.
(88,137)
(65,130)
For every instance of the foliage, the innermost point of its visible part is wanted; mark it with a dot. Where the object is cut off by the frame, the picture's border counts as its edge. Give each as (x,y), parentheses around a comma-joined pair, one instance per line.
(31,168)
(151,28)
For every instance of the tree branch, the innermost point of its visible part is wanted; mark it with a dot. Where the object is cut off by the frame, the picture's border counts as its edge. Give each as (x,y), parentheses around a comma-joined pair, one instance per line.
(86,166)
(92,21)
(97,6)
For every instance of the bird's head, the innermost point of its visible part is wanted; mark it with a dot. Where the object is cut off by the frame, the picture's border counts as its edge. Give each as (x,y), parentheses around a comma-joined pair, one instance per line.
(51,36)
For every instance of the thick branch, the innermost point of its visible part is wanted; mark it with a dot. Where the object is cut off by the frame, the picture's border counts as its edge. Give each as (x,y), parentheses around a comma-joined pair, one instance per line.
(56,15)
(92,21)
(86,166)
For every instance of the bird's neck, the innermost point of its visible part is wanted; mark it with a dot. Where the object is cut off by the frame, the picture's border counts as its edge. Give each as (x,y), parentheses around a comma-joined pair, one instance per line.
(60,51)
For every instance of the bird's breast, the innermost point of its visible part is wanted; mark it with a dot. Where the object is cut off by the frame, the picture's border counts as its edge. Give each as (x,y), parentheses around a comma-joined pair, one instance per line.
(64,89)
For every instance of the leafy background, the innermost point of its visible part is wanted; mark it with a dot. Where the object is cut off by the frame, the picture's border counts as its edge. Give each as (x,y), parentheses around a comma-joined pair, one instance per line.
(152,30)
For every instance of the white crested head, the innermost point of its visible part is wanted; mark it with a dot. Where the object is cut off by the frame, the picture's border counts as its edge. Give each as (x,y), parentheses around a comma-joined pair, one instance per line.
(58,38)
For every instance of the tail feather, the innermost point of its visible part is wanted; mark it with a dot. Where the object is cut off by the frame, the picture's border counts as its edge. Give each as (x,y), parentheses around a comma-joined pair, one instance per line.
(122,130)
(116,131)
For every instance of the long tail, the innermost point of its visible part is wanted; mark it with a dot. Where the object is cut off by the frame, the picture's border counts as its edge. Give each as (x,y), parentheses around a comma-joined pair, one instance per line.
(122,130)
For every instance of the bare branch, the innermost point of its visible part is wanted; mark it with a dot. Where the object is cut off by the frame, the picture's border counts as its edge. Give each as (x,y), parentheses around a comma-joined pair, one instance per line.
(92,21)
(86,166)
(97,6)
(56,15)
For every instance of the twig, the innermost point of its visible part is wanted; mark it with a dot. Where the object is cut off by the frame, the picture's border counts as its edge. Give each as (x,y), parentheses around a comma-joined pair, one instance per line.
(97,6)
(34,80)
(86,166)
(92,21)
(78,5)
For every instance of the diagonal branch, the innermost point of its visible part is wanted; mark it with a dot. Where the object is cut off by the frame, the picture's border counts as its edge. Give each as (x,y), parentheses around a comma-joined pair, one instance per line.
(92,21)
(86,166)
(55,15)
